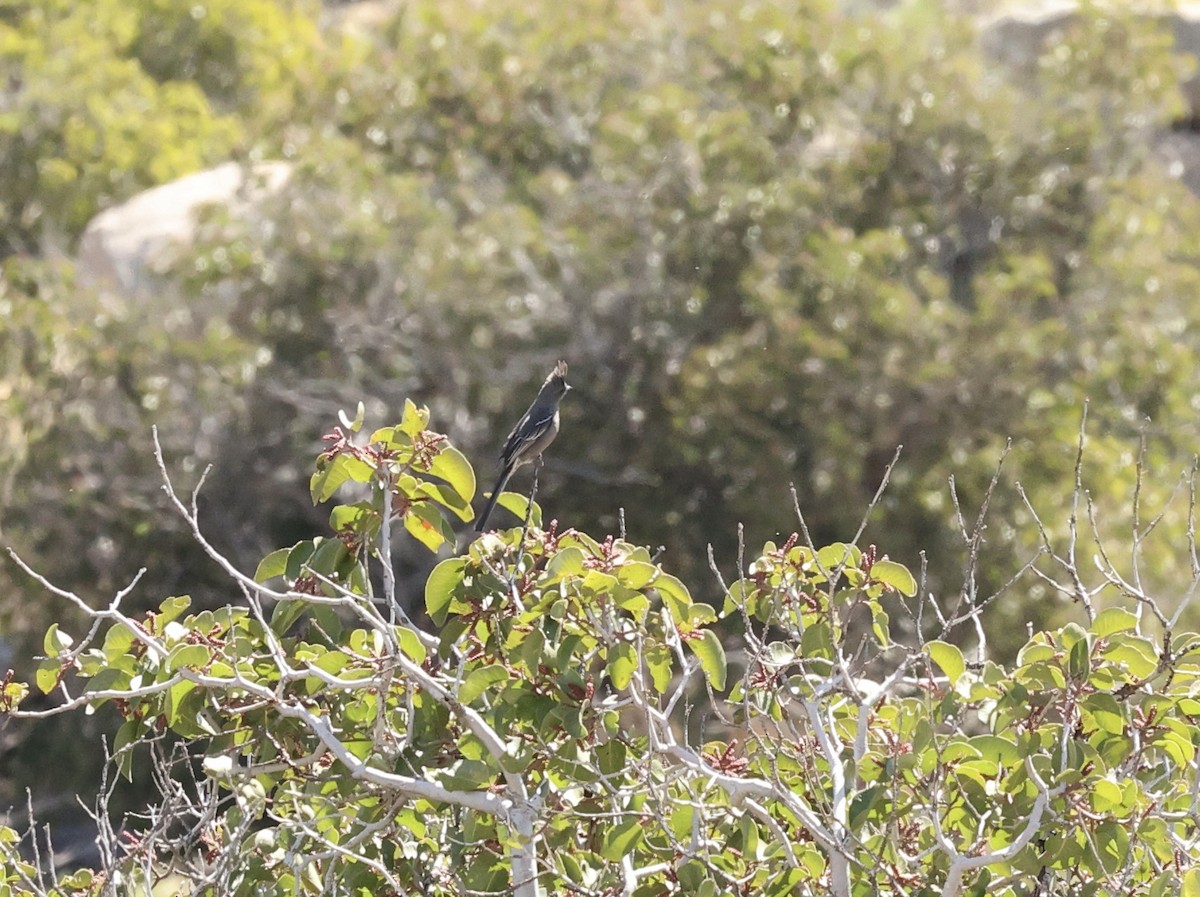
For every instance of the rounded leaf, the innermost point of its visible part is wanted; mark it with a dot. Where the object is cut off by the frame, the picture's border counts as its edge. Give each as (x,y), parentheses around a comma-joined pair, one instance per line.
(948,658)
(894,575)
(441,588)
(452,466)
(711,654)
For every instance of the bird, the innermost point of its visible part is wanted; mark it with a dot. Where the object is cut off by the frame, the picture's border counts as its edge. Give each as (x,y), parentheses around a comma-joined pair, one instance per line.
(531,436)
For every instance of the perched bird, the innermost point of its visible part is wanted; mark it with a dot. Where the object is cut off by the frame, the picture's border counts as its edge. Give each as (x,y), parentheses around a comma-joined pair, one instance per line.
(531,436)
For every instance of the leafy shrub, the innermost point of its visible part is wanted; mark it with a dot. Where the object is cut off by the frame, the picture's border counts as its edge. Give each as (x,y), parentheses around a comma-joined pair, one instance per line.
(576,721)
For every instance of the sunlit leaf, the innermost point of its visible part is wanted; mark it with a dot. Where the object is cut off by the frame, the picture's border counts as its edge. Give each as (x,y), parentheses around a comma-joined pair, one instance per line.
(675,597)
(414,419)
(1112,620)
(411,644)
(895,575)
(427,526)
(56,641)
(711,653)
(622,663)
(441,587)
(340,470)
(452,466)
(948,658)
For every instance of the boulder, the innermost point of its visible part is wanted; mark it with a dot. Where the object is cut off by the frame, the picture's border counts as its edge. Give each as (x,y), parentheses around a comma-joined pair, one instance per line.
(1018,35)
(125,250)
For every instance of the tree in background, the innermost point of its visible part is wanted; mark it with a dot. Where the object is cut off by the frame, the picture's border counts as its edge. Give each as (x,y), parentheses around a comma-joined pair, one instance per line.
(779,239)
(774,263)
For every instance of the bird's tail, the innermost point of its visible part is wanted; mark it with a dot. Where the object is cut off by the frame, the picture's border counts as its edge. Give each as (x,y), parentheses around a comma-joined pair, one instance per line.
(491,502)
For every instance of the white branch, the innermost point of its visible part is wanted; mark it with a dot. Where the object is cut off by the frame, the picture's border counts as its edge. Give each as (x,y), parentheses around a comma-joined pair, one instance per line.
(960,864)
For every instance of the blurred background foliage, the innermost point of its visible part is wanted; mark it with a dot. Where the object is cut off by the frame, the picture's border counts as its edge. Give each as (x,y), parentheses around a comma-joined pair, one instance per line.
(775,240)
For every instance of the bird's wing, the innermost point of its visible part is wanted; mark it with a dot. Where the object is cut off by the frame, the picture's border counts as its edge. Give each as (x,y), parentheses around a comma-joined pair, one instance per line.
(527,430)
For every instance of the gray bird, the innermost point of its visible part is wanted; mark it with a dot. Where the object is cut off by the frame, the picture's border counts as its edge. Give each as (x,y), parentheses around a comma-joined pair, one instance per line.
(531,436)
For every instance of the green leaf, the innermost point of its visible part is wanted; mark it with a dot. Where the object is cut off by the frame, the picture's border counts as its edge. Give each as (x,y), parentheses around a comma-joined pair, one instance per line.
(739,596)
(862,804)
(636,574)
(1001,750)
(1071,633)
(711,653)
(47,675)
(285,614)
(13,693)
(274,564)
(621,840)
(1035,652)
(411,645)
(467,775)
(329,554)
(675,597)
(298,557)
(610,756)
(108,679)
(813,861)
(186,656)
(174,703)
(129,733)
(817,641)
(391,439)
(895,575)
(360,517)
(1191,883)
(331,662)
(838,555)
(692,874)
(749,834)
(414,419)
(324,483)
(480,680)
(56,642)
(1179,747)
(117,641)
(701,614)
(597,582)
(1112,841)
(452,466)
(426,525)
(622,663)
(1106,796)
(1135,653)
(1105,712)
(980,887)
(565,562)
(1112,620)
(442,587)
(880,624)
(1079,662)
(172,608)
(948,658)
(779,654)
(658,664)
(446,496)
(531,647)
